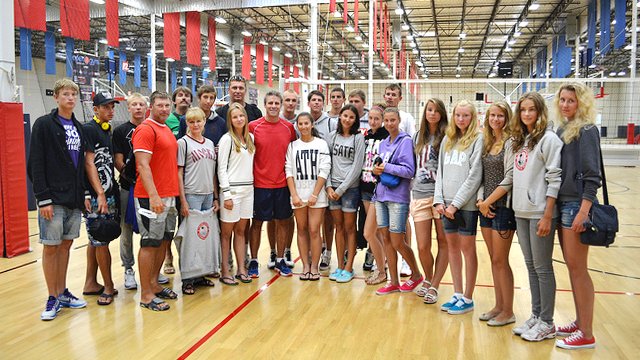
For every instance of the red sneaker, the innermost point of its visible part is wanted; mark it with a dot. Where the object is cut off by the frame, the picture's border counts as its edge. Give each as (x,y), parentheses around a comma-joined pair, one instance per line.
(576,341)
(567,330)
(409,285)
(388,289)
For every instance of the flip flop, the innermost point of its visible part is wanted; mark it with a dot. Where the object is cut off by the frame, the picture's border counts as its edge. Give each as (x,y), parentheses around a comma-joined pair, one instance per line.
(156,305)
(314,276)
(188,289)
(205,282)
(243,278)
(97,292)
(169,269)
(305,276)
(167,293)
(105,299)
(228,280)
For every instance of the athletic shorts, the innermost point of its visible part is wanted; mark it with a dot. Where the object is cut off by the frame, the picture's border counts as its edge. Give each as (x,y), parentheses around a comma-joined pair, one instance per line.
(162,227)
(272,204)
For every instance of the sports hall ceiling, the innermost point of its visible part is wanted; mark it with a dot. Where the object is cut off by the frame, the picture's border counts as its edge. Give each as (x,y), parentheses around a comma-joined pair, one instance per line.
(451,37)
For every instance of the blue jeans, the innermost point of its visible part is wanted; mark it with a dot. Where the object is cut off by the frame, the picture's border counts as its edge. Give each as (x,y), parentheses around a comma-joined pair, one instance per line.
(200,202)
(65,225)
(568,212)
(348,202)
(392,215)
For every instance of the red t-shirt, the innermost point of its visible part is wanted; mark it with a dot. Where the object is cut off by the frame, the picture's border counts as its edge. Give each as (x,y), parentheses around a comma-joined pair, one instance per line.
(157,139)
(272,141)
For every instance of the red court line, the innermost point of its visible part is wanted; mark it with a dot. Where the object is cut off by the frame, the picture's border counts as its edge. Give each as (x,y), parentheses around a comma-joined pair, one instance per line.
(229,317)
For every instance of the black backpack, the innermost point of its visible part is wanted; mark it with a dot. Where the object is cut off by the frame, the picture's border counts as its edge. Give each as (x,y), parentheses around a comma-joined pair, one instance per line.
(130,170)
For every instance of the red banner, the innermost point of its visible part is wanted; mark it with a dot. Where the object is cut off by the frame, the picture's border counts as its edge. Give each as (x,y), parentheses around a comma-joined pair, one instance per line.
(385,34)
(113,28)
(332,6)
(355,16)
(286,69)
(171,35)
(259,64)
(345,12)
(296,75)
(270,68)
(74,19)
(246,58)
(194,48)
(30,14)
(211,35)
(375,25)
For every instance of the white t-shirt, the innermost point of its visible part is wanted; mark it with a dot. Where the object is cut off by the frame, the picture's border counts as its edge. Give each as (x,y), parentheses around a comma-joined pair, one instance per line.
(306,162)
(407,123)
(199,162)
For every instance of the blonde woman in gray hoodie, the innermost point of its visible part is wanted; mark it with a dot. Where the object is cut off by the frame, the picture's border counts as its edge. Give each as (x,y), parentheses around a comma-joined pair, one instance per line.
(457,182)
(535,178)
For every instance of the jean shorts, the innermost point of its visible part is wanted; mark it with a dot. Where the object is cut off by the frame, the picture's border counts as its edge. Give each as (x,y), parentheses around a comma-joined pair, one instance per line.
(392,215)
(366,196)
(568,212)
(504,220)
(470,226)
(201,202)
(348,202)
(65,225)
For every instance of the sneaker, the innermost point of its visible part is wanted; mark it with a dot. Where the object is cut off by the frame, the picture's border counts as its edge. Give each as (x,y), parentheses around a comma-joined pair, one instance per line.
(576,341)
(409,285)
(271,264)
(368,261)
(67,299)
(461,307)
(283,269)
(51,309)
(335,274)
(287,258)
(325,260)
(405,270)
(162,279)
(130,279)
(446,306)
(345,277)
(253,269)
(567,330)
(540,331)
(388,289)
(524,327)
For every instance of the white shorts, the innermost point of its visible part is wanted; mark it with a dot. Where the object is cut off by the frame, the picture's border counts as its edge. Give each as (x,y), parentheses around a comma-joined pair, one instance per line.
(242,197)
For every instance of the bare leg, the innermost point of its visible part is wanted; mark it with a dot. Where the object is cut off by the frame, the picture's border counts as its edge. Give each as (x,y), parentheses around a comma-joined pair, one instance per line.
(239,244)
(392,256)
(442,259)
(50,268)
(256,229)
(289,233)
(328,228)
(91,276)
(146,261)
(302,221)
(468,248)
(338,222)
(398,241)
(576,256)
(225,243)
(374,237)
(350,234)
(487,235)
(63,264)
(503,273)
(455,261)
(281,233)
(315,219)
(271,234)
(103,256)
(423,237)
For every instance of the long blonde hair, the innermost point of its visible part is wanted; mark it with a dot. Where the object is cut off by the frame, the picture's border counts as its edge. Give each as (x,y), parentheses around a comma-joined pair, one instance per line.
(423,133)
(245,129)
(488,136)
(585,115)
(455,136)
(519,130)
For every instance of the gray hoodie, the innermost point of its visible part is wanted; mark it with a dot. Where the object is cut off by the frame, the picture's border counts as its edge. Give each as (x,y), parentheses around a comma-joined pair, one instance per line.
(459,175)
(347,160)
(324,124)
(534,174)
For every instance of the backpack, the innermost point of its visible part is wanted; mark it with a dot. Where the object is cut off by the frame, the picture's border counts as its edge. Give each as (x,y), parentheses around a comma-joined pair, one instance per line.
(130,172)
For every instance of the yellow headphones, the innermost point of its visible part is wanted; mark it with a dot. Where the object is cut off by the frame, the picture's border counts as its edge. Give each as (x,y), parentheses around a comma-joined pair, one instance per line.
(106,126)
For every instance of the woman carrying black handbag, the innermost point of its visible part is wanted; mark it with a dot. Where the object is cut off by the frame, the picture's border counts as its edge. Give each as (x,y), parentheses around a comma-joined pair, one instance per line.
(581,178)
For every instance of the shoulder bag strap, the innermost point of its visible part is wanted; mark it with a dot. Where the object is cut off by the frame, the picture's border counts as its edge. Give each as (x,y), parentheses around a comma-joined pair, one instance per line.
(605,193)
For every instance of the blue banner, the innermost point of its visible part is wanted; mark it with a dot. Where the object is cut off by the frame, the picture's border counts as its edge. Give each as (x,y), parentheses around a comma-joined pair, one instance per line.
(111,66)
(591,25)
(194,80)
(50,52)
(136,70)
(605,27)
(174,77)
(564,58)
(70,45)
(184,77)
(122,75)
(619,28)
(25,49)
(149,72)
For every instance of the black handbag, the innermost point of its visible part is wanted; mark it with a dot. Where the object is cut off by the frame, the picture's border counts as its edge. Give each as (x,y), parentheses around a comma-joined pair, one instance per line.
(602,224)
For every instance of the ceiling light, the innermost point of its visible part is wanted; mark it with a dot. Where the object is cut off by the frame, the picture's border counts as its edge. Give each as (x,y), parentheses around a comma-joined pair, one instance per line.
(329,53)
(275,48)
(628,47)
(507,49)
(264,42)
(622,73)
(405,27)
(159,24)
(169,59)
(430,33)
(186,68)
(457,75)
(103,41)
(288,54)
(461,50)
(492,75)
(613,22)
(299,65)
(415,51)
(349,28)
(124,39)
(413,44)
(462,35)
(517,34)
(229,50)
(365,45)
(399,11)
(362,77)
(592,66)
(99,2)
(524,23)
(512,41)
(534,6)
(337,14)
(220,19)
(419,63)
(358,38)
(613,73)
(205,58)
(245,33)
(459,68)
(580,48)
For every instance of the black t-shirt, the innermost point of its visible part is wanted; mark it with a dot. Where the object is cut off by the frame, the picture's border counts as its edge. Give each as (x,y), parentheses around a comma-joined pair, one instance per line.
(122,145)
(252,111)
(99,143)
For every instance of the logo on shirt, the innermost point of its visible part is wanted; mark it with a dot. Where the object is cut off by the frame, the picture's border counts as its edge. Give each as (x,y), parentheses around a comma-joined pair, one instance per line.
(521,159)
(73,138)
(455,157)
(203,230)
(307,164)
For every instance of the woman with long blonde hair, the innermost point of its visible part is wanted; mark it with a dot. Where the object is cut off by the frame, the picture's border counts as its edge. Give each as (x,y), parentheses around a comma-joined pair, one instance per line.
(457,182)
(581,178)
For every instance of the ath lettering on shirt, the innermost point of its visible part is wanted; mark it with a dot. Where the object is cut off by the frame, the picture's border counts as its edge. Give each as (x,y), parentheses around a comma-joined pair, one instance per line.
(307,160)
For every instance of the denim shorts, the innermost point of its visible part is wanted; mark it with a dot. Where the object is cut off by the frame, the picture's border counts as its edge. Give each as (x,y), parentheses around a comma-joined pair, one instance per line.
(504,220)
(470,226)
(568,212)
(65,225)
(348,202)
(199,202)
(90,218)
(392,215)
(366,196)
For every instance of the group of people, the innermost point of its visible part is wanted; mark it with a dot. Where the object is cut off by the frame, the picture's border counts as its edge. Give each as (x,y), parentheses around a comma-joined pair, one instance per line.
(516,174)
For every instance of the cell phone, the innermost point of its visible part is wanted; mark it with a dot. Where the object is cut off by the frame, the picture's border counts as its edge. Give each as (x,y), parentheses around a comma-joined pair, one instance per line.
(377,161)
(147,213)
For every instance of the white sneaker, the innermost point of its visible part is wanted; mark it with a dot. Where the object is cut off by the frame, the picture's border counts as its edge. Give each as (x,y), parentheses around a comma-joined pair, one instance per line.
(162,279)
(325,260)
(526,326)
(130,279)
(405,270)
(540,331)
(51,309)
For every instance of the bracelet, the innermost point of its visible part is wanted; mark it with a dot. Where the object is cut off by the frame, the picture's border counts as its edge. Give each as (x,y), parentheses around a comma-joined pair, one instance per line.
(314,196)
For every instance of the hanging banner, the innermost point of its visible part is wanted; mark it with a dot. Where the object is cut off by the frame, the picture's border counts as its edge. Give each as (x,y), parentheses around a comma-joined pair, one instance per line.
(174,77)
(184,77)
(286,69)
(29,14)
(123,68)
(345,11)
(211,37)
(172,35)
(259,64)
(194,80)
(136,70)
(113,28)
(50,52)
(194,49)
(332,6)
(591,25)
(25,49)
(149,72)
(355,16)
(619,33)
(74,19)
(69,47)
(111,66)
(85,69)
(246,58)
(270,67)
(296,75)
(375,25)
(605,27)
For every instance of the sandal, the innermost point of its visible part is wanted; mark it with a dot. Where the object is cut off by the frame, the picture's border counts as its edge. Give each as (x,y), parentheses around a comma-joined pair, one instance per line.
(305,276)
(243,278)
(188,289)
(205,282)
(424,288)
(314,276)
(374,278)
(97,292)
(155,305)
(167,293)
(105,299)
(169,269)
(228,280)
(431,297)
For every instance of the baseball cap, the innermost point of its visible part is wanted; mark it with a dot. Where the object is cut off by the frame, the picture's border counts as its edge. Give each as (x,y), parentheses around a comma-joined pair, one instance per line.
(103,98)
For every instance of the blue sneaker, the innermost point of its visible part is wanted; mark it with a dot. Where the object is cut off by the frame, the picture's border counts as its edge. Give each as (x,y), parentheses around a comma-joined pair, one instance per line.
(461,307)
(283,269)
(446,306)
(67,299)
(254,273)
(51,309)
(335,274)
(345,277)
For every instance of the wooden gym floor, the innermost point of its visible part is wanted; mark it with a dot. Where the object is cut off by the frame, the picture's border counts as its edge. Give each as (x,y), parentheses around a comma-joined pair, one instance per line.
(278,317)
